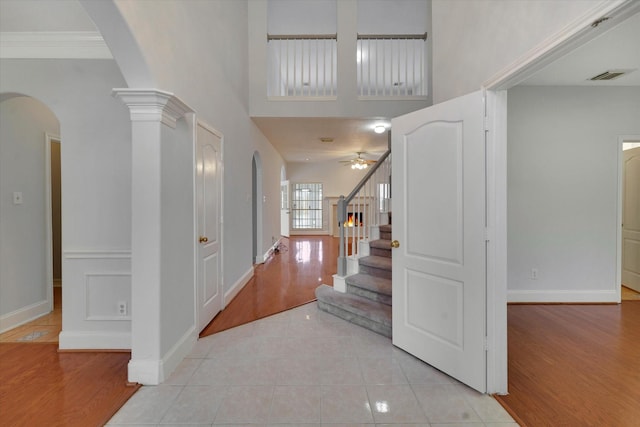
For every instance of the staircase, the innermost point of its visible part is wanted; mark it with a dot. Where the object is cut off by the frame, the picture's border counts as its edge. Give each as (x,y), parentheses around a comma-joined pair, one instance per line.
(367,301)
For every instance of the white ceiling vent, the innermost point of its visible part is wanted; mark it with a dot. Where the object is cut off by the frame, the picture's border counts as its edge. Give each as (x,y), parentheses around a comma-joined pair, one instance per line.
(610,75)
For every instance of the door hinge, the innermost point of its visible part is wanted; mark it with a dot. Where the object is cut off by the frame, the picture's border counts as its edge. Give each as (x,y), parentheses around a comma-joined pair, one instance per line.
(487,235)
(486,344)
(486,123)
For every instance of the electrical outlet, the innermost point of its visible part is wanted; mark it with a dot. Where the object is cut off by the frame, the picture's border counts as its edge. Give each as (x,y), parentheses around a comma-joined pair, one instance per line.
(122,308)
(534,274)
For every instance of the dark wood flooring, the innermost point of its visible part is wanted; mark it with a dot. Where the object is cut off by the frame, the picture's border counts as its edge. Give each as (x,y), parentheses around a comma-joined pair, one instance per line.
(286,280)
(574,365)
(41,387)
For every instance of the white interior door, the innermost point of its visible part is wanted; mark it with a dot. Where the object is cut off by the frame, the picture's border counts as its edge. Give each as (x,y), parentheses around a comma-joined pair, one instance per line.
(284,208)
(631,219)
(209,200)
(439,198)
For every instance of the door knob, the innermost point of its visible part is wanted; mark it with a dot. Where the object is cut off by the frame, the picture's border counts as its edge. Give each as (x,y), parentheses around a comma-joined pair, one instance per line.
(203,239)
(395,244)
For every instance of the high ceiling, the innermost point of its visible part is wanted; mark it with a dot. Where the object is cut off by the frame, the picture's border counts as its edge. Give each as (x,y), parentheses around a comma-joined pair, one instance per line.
(298,139)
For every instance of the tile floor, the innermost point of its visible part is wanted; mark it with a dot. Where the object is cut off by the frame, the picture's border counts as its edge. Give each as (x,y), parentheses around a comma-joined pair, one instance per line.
(308,368)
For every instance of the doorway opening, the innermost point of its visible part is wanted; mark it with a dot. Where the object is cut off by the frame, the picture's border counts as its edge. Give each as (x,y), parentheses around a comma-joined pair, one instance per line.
(629,190)
(30,161)
(256,211)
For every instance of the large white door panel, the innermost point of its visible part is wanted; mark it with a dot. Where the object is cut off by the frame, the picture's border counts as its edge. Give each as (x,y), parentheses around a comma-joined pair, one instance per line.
(441,318)
(211,274)
(439,269)
(434,192)
(209,201)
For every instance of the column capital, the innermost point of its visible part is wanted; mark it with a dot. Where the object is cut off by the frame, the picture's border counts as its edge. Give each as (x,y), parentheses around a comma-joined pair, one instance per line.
(152,105)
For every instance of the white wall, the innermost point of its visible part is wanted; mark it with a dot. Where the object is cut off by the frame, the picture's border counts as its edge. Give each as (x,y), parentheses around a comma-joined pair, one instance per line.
(177,234)
(214,83)
(562,190)
(96,191)
(23,276)
(474,40)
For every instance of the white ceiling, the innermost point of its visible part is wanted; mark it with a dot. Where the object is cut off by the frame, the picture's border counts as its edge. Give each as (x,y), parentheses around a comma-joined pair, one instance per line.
(618,48)
(298,139)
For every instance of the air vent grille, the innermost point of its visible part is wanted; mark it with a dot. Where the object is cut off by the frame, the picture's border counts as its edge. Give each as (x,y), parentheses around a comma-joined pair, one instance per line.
(609,75)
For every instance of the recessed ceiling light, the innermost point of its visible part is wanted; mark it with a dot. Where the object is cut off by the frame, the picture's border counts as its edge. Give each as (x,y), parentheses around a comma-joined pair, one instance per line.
(379,129)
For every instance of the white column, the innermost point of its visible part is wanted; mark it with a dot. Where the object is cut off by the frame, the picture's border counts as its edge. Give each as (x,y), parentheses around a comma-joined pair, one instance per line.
(150,110)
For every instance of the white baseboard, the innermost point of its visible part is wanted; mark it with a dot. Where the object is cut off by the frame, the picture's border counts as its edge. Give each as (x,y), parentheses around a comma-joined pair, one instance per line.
(156,371)
(145,372)
(23,315)
(237,287)
(95,340)
(178,352)
(563,296)
(339,283)
(260,259)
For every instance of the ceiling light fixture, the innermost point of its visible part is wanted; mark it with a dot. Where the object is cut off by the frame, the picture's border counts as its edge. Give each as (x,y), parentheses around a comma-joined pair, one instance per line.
(379,128)
(359,165)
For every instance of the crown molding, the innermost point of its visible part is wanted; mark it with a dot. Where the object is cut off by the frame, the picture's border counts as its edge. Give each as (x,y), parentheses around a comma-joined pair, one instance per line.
(153,105)
(53,45)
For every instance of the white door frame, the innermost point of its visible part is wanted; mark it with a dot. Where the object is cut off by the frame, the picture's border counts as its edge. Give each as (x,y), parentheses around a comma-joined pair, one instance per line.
(621,140)
(257,202)
(48,208)
(578,33)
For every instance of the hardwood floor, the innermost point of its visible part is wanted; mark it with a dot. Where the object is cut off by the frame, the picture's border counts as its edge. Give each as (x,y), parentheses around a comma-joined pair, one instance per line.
(43,329)
(286,280)
(574,365)
(41,387)
(569,365)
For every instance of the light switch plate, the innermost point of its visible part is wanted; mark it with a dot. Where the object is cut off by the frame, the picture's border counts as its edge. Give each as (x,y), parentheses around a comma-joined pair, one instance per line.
(17,197)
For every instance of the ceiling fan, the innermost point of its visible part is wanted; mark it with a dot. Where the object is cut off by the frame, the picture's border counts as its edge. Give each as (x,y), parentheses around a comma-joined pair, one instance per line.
(359,162)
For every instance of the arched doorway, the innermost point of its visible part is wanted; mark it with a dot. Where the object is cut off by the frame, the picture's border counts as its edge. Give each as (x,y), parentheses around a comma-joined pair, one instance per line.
(31,228)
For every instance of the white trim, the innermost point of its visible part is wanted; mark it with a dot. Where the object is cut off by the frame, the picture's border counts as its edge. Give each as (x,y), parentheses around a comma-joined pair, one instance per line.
(87,295)
(176,354)
(24,315)
(564,296)
(48,216)
(152,105)
(496,140)
(53,45)
(619,205)
(94,340)
(237,287)
(97,254)
(570,37)
(339,283)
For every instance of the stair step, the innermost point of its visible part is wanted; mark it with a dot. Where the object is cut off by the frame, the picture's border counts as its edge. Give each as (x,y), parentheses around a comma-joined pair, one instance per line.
(381,247)
(358,310)
(371,287)
(374,265)
(386,228)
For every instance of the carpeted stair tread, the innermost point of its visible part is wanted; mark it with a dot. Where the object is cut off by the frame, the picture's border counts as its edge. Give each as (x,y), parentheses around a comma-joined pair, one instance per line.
(385,228)
(380,244)
(374,261)
(372,283)
(361,311)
